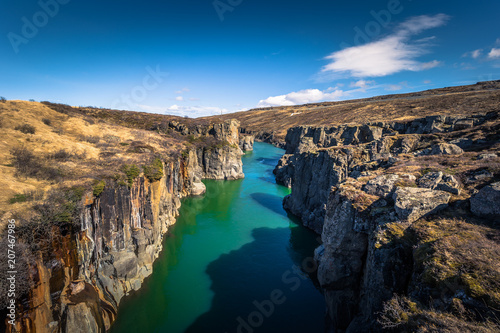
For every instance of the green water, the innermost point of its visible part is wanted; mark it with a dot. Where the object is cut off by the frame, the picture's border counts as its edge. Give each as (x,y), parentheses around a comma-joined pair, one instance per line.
(233,262)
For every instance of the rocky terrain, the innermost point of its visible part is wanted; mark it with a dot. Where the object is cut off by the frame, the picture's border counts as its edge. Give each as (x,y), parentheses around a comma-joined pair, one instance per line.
(403,189)
(92,200)
(408,215)
(271,124)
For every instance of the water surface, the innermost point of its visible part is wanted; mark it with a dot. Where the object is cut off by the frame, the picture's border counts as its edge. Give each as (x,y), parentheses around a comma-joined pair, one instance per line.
(233,262)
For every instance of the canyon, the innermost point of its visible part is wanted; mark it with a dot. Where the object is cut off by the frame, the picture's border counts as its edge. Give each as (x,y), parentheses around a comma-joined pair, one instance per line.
(405,202)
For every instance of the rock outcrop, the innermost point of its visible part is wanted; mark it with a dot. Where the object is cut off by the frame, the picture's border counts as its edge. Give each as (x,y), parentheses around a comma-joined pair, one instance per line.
(79,284)
(486,203)
(357,187)
(246,142)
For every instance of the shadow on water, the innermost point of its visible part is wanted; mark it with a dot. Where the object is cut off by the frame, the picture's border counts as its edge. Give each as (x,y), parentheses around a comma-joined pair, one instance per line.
(272,202)
(145,309)
(271,161)
(241,304)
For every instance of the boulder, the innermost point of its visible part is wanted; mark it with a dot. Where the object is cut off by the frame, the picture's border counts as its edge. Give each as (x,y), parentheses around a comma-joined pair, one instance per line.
(430,180)
(440,181)
(445,149)
(486,203)
(198,188)
(449,184)
(413,203)
(383,186)
(486,156)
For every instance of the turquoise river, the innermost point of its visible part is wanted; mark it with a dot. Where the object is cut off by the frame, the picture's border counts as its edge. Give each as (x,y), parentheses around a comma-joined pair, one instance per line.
(233,262)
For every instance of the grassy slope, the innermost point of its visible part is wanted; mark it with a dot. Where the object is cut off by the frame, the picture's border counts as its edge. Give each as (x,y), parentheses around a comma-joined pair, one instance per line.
(94,149)
(463,100)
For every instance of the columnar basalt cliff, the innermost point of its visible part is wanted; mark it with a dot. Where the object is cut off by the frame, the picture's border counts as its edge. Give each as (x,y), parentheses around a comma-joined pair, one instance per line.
(108,250)
(377,193)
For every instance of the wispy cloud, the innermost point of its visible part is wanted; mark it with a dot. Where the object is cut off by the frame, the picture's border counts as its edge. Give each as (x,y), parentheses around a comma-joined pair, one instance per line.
(396,87)
(494,53)
(182,111)
(362,84)
(474,54)
(179,98)
(183,90)
(391,54)
(302,97)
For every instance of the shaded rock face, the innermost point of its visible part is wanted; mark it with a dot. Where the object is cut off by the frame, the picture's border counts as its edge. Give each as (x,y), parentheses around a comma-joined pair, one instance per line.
(319,172)
(342,189)
(350,135)
(119,239)
(486,203)
(246,142)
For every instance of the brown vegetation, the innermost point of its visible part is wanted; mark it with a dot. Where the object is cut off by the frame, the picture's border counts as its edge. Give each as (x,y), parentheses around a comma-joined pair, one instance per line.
(464,100)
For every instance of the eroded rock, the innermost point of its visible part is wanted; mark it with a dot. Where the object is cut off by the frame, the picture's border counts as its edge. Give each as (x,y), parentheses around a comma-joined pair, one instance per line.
(486,203)
(413,203)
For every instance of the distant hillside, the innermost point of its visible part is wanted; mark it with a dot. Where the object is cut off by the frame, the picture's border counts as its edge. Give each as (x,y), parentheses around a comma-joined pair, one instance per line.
(482,97)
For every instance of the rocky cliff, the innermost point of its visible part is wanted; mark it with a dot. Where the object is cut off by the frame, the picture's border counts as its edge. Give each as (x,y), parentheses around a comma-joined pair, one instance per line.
(393,202)
(98,245)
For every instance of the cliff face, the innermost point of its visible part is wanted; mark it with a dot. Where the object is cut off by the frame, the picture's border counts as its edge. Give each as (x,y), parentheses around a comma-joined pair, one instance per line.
(370,191)
(119,235)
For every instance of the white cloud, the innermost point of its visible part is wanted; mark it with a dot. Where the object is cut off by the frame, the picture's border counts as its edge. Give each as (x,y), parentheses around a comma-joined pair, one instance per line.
(392,54)
(430,64)
(181,111)
(301,97)
(427,82)
(473,54)
(179,98)
(396,87)
(494,53)
(476,53)
(362,84)
(183,90)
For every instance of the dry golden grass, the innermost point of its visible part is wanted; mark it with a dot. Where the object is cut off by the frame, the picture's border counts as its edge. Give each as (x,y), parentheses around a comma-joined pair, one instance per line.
(56,132)
(454,101)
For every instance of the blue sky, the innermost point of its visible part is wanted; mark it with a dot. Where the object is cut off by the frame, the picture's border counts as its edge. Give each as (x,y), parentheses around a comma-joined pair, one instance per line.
(203,57)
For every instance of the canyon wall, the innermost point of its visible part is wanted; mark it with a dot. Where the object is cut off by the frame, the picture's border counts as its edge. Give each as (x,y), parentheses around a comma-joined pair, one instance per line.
(363,188)
(80,281)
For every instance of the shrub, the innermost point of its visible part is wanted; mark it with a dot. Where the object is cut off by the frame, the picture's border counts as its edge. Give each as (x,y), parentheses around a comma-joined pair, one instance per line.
(18,198)
(2,99)
(60,155)
(24,260)
(32,100)
(98,188)
(111,138)
(26,196)
(28,165)
(89,139)
(131,172)
(47,121)
(26,129)
(154,171)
